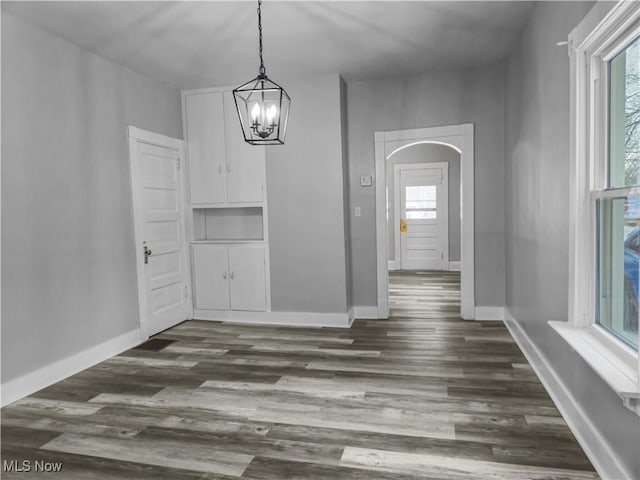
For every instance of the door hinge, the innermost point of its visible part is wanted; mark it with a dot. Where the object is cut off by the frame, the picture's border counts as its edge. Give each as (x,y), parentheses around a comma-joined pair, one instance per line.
(186,291)
(179,163)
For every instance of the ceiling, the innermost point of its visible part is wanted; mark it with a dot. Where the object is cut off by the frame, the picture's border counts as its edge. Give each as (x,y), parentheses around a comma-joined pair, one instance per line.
(193,44)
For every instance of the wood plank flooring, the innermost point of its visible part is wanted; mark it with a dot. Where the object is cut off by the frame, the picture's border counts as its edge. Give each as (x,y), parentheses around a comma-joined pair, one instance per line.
(421,395)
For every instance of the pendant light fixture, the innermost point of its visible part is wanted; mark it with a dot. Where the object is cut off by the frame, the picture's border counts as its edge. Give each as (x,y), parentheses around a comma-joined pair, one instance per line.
(263,105)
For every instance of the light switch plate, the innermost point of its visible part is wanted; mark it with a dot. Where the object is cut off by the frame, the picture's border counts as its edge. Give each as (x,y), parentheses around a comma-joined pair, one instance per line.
(366,181)
(357,212)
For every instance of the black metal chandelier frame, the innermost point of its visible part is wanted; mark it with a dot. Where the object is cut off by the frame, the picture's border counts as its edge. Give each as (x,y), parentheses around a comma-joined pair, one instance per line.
(262,104)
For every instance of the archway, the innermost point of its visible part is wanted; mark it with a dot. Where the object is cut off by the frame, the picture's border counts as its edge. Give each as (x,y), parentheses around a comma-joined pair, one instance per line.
(411,163)
(460,138)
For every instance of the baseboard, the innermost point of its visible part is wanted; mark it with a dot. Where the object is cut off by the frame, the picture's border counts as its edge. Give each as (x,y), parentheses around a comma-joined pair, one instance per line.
(394,265)
(598,450)
(366,312)
(31,382)
(489,313)
(455,266)
(297,319)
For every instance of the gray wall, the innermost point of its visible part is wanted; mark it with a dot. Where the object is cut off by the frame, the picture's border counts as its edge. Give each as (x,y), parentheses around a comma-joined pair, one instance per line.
(537,214)
(432,99)
(428,153)
(306,202)
(67,234)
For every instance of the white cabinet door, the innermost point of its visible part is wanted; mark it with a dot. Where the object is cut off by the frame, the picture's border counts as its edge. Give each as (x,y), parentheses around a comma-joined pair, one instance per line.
(211,277)
(205,143)
(247,277)
(245,162)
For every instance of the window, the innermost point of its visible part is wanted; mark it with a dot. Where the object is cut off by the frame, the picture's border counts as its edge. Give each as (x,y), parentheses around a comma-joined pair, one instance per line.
(420,202)
(618,216)
(624,117)
(617,286)
(605,198)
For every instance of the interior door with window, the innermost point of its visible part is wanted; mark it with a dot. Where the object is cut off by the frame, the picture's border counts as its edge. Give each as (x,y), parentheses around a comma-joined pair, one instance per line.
(424,218)
(157,183)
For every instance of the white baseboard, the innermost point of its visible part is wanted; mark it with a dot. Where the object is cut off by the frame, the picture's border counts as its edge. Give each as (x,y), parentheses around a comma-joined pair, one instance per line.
(489,313)
(453,266)
(598,450)
(31,382)
(366,312)
(297,319)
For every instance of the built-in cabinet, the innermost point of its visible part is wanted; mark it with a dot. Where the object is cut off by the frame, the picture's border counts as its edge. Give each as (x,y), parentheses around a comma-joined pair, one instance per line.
(228,208)
(223,168)
(229,277)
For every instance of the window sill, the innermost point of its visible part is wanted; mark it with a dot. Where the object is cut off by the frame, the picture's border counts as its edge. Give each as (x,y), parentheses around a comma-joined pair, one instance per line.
(615,363)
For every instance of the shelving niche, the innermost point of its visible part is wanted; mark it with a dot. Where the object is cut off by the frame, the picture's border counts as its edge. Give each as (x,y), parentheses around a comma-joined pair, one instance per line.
(234,224)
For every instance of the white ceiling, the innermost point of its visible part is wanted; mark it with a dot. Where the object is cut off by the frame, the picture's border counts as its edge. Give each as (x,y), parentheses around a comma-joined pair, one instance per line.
(195,44)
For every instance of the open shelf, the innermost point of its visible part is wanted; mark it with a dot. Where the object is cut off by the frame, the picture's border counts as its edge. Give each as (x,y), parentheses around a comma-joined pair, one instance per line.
(234,224)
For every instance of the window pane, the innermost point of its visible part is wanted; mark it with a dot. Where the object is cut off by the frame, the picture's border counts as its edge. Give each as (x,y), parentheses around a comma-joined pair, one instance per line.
(624,117)
(423,196)
(421,214)
(618,232)
(420,204)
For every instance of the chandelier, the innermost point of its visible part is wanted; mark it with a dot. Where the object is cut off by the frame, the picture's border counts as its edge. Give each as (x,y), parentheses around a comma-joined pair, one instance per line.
(262,104)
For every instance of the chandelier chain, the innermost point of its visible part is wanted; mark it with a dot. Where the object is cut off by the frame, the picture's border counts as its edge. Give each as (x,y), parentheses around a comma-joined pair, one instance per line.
(261,70)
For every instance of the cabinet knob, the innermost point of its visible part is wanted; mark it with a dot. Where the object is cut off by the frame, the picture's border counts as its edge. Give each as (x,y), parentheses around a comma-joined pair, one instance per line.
(228,168)
(219,168)
(231,275)
(224,275)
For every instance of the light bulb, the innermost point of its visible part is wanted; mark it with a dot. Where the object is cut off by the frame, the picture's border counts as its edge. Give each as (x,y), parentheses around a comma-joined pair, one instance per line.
(255,112)
(272,111)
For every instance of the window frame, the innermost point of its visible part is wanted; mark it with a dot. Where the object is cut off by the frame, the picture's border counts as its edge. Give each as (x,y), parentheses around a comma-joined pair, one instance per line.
(597,40)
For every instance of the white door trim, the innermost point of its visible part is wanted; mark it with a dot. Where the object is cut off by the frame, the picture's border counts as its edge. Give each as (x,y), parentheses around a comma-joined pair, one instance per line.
(137,135)
(397,169)
(461,138)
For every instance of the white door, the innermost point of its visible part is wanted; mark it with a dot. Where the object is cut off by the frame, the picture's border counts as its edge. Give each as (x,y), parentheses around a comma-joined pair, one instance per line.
(158,200)
(205,141)
(244,162)
(424,218)
(247,283)
(211,277)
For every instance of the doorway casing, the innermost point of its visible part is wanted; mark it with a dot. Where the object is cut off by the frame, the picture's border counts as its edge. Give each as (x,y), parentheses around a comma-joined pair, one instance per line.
(460,138)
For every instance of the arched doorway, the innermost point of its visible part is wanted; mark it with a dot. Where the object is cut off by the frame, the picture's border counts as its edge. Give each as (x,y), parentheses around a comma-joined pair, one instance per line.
(460,138)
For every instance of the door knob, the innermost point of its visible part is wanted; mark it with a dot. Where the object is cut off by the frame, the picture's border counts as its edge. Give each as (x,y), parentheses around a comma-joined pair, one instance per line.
(147,254)
(403,225)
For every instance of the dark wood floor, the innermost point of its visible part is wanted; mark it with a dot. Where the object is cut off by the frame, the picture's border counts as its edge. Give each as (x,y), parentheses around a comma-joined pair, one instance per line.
(421,395)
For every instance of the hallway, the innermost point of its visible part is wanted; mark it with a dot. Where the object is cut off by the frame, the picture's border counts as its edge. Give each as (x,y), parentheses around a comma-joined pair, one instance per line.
(421,395)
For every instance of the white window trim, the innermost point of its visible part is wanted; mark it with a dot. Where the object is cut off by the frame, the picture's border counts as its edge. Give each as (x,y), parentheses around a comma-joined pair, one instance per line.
(595,41)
